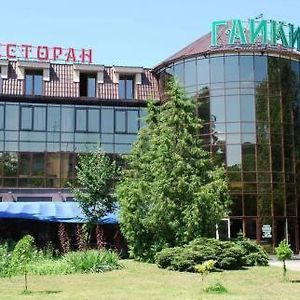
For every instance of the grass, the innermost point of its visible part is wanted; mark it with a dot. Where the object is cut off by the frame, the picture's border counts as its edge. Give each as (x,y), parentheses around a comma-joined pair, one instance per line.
(146,281)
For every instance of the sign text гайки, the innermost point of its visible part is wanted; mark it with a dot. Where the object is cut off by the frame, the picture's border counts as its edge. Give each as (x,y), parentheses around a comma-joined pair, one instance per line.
(257,31)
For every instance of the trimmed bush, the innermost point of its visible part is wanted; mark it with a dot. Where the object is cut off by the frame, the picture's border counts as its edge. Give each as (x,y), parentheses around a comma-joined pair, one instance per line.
(227,254)
(254,254)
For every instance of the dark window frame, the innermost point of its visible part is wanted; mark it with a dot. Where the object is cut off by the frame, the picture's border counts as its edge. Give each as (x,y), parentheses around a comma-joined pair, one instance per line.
(126,131)
(3,108)
(86,76)
(86,110)
(125,78)
(33,73)
(21,117)
(33,108)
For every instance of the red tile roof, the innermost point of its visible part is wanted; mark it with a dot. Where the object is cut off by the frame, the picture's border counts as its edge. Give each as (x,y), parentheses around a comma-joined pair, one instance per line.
(61,84)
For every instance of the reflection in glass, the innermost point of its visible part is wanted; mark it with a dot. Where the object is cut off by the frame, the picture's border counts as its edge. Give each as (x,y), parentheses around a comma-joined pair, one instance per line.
(26,117)
(247,108)
(179,73)
(203,71)
(231,69)
(190,73)
(246,68)
(233,108)
(12,117)
(217,109)
(93,120)
(233,157)
(53,118)
(91,86)
(1,116)
(81,120)
(250,205)
(132,121)
(107,120)
(39,118)
(260,68)
(217,69)
(120,121)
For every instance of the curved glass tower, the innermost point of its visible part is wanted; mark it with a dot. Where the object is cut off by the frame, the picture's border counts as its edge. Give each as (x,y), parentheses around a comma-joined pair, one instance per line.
(250,106)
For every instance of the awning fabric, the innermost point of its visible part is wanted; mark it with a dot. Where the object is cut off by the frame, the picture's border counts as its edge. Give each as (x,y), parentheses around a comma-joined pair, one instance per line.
(66,212)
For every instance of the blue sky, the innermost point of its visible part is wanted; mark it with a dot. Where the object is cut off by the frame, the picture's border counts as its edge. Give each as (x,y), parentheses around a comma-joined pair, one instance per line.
(120,32)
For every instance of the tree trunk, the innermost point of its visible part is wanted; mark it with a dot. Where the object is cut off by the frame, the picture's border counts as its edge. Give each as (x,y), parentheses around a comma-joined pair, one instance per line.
(25,275)
(284,270)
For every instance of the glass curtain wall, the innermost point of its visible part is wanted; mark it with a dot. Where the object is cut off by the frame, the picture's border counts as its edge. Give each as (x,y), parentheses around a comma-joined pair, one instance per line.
(39,142)
(250,107)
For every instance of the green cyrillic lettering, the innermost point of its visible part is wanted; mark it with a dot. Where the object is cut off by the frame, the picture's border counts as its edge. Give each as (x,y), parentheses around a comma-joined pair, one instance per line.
(214,31)
(237,33)
(294,36)
(260,30)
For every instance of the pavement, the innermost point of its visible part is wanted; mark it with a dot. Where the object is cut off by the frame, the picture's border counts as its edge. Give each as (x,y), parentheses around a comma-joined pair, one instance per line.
(293,264)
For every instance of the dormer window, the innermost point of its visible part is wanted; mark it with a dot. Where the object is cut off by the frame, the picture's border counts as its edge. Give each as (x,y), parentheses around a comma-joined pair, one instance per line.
(128,79)
(34,82)
(88,76)
(87,85)
(3,72)
(34,74)
(126,87)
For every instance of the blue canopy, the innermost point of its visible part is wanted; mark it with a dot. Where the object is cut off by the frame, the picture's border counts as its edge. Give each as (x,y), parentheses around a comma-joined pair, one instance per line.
(66,212)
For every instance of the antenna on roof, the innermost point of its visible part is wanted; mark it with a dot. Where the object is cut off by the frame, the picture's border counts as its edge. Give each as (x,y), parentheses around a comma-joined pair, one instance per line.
(260,16)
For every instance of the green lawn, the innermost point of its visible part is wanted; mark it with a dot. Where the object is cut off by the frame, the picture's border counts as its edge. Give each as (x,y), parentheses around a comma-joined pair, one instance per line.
(146,281)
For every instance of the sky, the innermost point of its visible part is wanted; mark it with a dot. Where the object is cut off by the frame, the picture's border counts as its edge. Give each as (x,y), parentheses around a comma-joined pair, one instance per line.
(128,32)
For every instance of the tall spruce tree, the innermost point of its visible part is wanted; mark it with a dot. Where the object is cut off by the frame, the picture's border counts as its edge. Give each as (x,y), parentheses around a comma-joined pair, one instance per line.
(170,192)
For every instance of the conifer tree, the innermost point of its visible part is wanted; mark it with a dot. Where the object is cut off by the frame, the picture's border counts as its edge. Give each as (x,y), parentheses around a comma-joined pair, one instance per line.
(170,192)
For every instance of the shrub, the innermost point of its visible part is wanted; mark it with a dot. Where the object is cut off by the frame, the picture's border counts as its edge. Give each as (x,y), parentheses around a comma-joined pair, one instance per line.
(228,255)
(164,258)
(231,257)
(254,254)
(92,261)
(50,267)
(217,288)
(205,268)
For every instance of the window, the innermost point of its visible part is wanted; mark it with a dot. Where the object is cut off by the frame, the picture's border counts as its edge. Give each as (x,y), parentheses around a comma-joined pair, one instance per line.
(53,118)
(34,199)
(33,118)
(87,120)
(126,87)
(107,120)
(11,117)
(1,117)
(87,85)
(34,83)
(26,118)
(126,121)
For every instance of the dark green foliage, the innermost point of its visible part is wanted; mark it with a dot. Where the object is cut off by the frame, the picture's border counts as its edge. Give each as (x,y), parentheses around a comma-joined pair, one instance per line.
(228,255)
(170,191)
(254,254)
(96,174)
